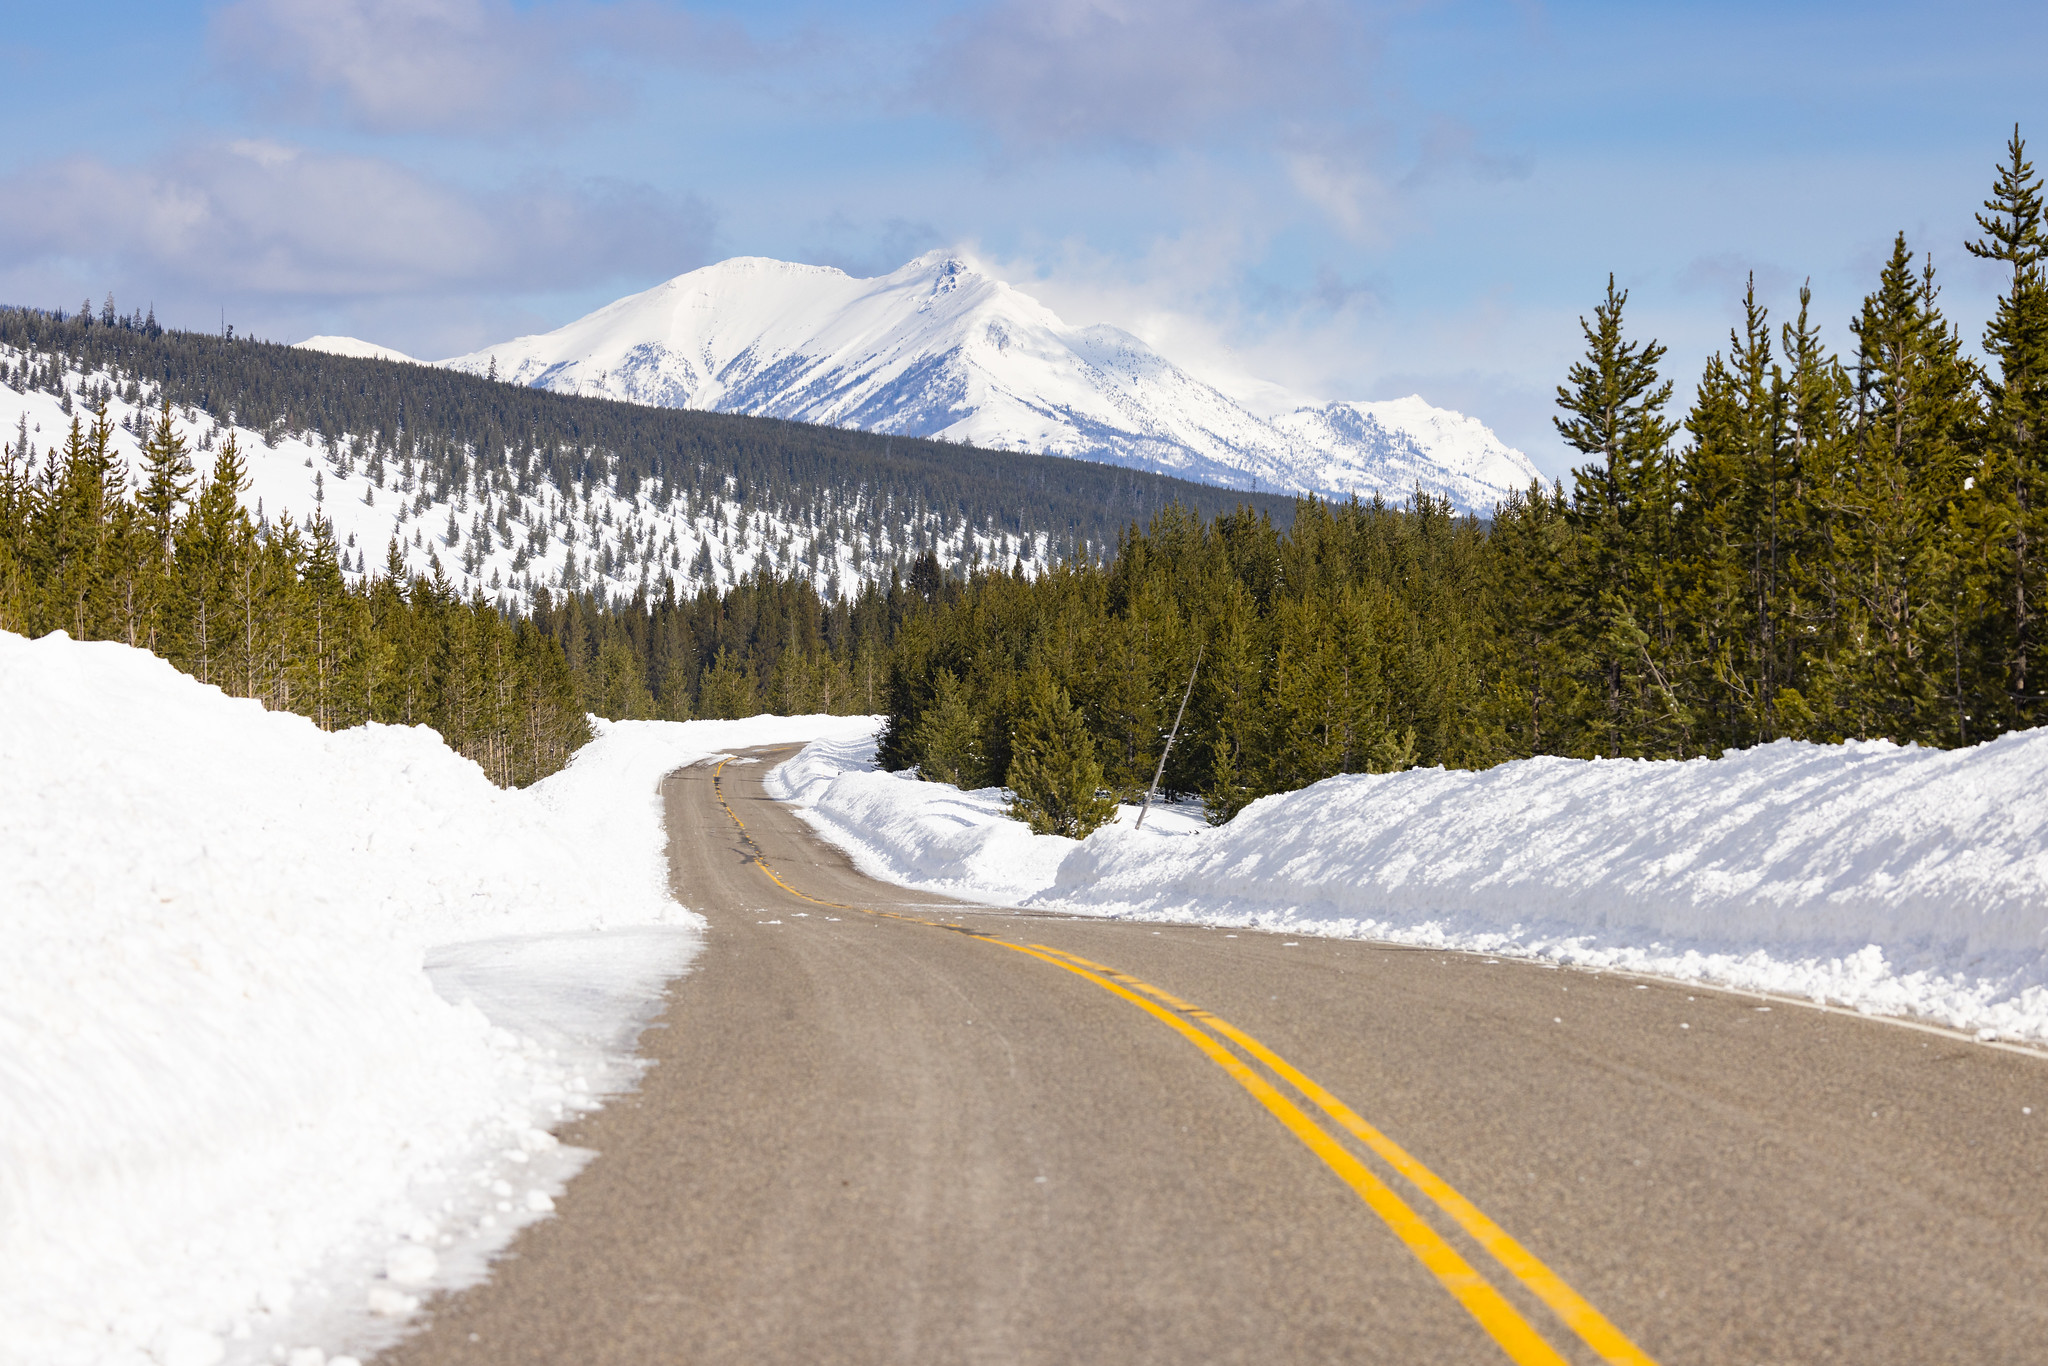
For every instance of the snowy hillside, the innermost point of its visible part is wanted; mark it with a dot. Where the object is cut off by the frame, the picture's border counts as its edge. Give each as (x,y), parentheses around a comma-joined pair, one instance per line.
(349,346)
(286,1016)
(487,535)
(1901,881)
(939,348)
(1401,444)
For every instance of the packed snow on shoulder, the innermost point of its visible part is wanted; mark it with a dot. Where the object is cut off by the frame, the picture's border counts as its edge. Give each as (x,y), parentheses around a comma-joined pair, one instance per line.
(933,836)
(286,1017)
(1898,881)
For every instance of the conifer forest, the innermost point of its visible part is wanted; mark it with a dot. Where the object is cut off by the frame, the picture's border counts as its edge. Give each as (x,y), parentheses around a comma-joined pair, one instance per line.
(1827,545)
(160,559)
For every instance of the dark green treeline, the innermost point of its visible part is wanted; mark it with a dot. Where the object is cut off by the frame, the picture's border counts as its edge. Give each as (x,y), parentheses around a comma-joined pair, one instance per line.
(767,644)
(1824,547)
(261,608)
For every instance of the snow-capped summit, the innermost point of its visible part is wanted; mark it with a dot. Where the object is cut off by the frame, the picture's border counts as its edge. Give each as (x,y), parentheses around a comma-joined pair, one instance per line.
(939,348)
(355,347)
(1404,442)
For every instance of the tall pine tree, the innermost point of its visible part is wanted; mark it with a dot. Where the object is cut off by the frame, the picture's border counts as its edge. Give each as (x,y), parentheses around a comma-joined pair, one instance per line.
(2015,464)
(1624,632)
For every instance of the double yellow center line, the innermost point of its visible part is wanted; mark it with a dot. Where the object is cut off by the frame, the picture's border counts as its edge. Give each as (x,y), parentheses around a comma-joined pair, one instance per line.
(1210,1033)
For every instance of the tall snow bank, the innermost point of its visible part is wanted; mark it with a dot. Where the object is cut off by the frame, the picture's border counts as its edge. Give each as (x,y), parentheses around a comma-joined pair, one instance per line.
(1899,880)
(928,835)
(236,1115)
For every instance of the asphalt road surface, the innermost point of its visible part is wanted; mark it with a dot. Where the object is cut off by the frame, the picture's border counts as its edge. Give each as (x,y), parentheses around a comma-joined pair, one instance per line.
(886,1129)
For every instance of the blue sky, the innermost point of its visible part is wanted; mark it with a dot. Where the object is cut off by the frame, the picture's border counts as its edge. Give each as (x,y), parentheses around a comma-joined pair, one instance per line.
(1295,199)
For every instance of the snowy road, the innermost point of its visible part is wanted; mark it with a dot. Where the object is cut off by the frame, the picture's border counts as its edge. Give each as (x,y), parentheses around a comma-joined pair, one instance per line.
(867,1139)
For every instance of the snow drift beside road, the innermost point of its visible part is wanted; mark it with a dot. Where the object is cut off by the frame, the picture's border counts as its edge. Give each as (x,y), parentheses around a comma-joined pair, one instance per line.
(236,1116)
(1896,880)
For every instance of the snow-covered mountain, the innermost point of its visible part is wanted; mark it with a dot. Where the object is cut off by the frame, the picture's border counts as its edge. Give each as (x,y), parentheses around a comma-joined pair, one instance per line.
(350,346)
(941,349)
(491,530)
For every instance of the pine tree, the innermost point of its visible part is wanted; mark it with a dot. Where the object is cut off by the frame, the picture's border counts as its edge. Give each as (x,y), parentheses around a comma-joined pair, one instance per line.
(1534,695)
(214,547)
(618,687)
(17,580)
(1735,528)
(262,608)
(2015,465)
(1055,782)
(330,699)
(1915,565)
(726,690)
(1305,700)
(166,479)
(1232,688)
(75,540)
(1622,507)
(1817,403)
(947,740)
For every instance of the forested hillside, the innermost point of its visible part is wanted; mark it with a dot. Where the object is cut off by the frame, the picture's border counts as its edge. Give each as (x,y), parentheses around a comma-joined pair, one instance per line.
(1826,547)
(497,481)
(161,559)
(435,511)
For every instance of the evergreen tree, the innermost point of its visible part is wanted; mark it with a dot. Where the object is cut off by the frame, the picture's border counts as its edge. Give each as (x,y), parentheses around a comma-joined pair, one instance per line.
(1055,782)
(618,690)
(948,740)
(1232,686)
(1735,538)
(1817,403)
(1535,694)
(1913,567)
(727,690)
(1622,505)
(2015,464)
(215,548)
(166,478)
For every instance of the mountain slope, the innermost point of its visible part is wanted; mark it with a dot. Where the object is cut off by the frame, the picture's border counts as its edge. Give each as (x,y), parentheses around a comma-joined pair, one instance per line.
(355,348)
(940,349)
(508,490)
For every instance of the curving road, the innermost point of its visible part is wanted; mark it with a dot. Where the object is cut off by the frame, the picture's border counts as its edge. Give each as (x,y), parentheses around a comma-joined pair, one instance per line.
(888,1129)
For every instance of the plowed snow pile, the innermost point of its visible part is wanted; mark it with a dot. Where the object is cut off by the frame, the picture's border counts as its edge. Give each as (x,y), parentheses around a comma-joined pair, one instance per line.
(237,1117)
(1896,880)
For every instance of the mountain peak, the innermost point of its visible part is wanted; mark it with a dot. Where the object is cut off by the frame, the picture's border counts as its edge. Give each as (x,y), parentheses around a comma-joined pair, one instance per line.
(353,346)
(941,348)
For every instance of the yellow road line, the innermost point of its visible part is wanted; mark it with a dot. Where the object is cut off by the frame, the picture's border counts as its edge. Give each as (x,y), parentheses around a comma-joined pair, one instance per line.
(1487,1306)
(1593,1327)
(1516,1337)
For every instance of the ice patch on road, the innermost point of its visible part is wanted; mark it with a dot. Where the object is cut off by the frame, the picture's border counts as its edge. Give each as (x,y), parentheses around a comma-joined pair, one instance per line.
(286,1017)
(1894,880)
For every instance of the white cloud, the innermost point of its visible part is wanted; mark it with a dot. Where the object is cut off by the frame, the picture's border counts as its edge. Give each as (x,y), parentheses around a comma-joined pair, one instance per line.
(253,218)
(1152,73)
(1354,197)
(1184,296)
(448,65)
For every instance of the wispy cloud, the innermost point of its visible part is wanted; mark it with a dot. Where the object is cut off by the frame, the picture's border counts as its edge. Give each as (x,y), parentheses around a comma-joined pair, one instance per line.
(470,66)
(262,217)
(1042,74)
(1349,190)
